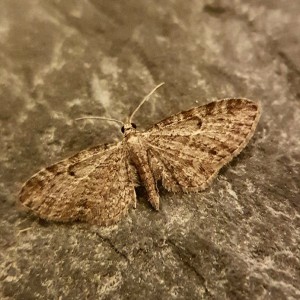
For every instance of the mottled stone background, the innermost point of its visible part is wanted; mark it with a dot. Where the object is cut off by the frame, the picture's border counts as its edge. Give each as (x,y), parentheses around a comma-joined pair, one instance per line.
(62,59)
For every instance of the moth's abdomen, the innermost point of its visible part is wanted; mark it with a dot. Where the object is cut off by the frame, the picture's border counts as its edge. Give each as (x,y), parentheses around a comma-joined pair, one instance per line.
(137,151)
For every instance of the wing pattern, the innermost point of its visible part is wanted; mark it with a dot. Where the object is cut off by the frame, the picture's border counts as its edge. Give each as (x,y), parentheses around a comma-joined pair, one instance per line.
(187,150)
(96,185)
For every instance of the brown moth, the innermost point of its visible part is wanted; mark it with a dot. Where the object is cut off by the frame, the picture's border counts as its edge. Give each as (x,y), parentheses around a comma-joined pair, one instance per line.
(185,151)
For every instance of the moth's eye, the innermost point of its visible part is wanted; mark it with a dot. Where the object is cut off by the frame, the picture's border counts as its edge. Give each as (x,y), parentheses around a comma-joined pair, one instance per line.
(123,129)
(71,172)
(199,123)
(133,125)
(198,120)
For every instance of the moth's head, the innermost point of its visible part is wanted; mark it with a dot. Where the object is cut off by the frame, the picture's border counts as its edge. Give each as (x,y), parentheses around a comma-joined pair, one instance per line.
(128,128)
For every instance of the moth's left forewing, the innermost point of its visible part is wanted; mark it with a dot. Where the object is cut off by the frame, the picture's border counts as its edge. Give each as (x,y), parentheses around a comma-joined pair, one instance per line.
(96,186)
(187,149)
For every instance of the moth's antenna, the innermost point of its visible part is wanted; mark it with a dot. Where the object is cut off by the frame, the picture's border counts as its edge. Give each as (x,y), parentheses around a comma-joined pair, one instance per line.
(130,118)
(100,118)
(144,100)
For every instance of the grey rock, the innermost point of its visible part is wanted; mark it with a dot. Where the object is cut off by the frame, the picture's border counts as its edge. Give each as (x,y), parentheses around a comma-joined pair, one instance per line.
(64,59)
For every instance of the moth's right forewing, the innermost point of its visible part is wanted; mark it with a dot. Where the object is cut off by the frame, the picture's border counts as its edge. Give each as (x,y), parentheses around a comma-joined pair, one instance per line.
(188,149)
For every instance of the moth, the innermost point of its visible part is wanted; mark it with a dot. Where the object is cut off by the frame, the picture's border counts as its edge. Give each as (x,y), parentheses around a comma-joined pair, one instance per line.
(184,152)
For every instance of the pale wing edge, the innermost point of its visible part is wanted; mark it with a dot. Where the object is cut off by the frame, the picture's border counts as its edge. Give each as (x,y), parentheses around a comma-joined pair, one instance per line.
(159,124)
(62,163)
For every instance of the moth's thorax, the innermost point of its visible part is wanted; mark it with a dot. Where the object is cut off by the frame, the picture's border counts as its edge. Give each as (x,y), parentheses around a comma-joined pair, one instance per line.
(132,137)
(133,144)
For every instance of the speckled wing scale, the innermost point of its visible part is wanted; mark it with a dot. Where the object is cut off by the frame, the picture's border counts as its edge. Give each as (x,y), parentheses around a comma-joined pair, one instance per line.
(184,151)
(95,185)
(188,149)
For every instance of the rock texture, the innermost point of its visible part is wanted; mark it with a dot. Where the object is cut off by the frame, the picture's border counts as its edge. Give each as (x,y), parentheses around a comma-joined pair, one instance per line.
(64,59)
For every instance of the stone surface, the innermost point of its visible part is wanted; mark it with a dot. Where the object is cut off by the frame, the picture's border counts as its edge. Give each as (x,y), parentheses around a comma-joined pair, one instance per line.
(64,59)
